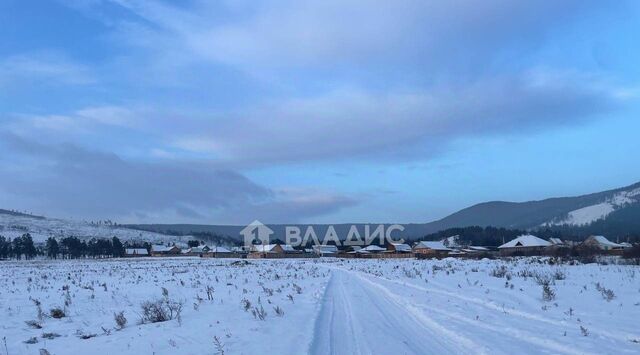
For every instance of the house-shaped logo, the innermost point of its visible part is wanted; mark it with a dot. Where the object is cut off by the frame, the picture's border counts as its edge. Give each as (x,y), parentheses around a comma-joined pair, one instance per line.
(256,233)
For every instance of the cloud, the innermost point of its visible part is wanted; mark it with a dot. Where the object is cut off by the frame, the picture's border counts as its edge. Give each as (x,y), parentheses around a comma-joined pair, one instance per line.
(348,123)
(108,115)
(285,35)
(65,179)
(293,206)
(356,123)
(459,77)
(81,121)
(45,67)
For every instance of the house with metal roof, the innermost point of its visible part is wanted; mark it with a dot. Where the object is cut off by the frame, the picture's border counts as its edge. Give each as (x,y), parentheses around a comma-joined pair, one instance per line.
(526,244)
(427,249)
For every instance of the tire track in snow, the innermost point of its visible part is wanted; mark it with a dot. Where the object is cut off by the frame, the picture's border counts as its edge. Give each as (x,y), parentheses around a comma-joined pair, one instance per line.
(518,335)
(358,317)
(624,337)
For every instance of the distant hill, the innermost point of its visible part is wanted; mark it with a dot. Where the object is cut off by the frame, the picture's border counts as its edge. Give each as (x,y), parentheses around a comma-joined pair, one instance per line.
(613,212)
(609,212)
(14,224)
(411,231)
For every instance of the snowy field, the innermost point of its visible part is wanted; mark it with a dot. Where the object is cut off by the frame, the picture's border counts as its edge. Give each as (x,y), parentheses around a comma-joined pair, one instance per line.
(318,306)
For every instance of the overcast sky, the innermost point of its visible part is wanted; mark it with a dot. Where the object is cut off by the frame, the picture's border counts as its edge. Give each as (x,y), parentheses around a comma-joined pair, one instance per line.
(222,112)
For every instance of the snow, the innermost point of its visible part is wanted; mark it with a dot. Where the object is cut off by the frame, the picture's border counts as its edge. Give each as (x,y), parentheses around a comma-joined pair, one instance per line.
(589,214)
(136,251)
(431,245)
(325,249)
(586,215)
(160,248)
(42,228)
(372,249)
(343,306)
(129,282)
(556,241)
(526,240)
(220,250)
(199,250)
(603,242)
(402,247)
(264,248)
(357,317)
(452,242)
(475,248)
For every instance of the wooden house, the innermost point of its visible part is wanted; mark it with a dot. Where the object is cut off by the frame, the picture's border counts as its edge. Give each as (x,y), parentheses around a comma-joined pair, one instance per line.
(524,245)
(602,243)
(161,250)
(198,251)
(135,252)
(426,249)
(325,250)
(400,248)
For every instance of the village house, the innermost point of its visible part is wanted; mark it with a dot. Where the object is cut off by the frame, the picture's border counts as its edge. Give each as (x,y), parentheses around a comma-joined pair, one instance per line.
(222,252)
(161,250)
(524,245)
(267,248)
(198,251)
(242,250)
(399,248)
(349,252)
(288,249)
(557,242)
(135,252)
(602,243)
(427,249)
(276,251)
(325,250)
(372,249)
(471,252)
(265,251)
(219,250)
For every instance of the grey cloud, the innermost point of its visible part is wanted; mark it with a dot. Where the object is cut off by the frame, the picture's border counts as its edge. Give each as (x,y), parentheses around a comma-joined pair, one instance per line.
(460,48)
(353,123)
(69,180)
(77,179)
(290,210)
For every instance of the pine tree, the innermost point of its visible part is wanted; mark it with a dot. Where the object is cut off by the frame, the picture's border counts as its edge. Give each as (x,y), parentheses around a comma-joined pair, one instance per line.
(52,248)
(117,248)
(28,248)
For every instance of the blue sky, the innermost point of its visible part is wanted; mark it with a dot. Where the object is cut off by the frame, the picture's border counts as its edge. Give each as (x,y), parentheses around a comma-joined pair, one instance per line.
(312,112)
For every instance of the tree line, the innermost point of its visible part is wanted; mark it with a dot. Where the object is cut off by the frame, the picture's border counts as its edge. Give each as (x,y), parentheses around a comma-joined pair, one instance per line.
(66,248)
(475,235)
(18,247)
(494,236)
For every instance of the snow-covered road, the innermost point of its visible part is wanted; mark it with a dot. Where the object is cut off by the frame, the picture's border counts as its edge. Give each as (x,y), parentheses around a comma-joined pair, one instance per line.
(359,317)
(364,312)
